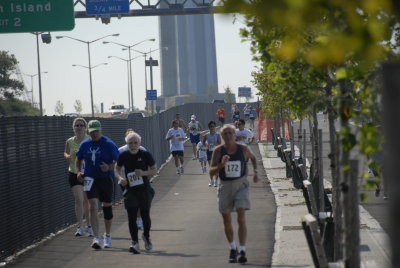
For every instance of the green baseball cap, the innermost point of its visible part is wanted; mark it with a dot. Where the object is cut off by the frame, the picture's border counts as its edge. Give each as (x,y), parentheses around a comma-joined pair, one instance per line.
(94,125)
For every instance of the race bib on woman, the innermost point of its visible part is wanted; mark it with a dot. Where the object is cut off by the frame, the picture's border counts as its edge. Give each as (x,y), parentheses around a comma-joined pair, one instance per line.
(233,169)
(87,183)
(134,180)
(211,147)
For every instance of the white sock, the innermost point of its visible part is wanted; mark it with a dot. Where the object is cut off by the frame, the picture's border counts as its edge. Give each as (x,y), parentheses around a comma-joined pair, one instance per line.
(242,248)
(232,245)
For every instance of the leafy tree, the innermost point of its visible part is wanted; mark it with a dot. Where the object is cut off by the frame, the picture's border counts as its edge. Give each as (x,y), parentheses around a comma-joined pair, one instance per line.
(229,95)
(59,108)
(78,106)
(9,87)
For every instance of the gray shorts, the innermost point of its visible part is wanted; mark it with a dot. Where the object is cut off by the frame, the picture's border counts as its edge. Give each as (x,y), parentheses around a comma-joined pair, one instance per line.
(233,195)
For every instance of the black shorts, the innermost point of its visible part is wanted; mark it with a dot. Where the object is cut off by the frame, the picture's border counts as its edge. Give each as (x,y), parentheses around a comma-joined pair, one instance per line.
(138,199)
(73,179)
(221,119)
(209,155)
(177,153)
(102,189)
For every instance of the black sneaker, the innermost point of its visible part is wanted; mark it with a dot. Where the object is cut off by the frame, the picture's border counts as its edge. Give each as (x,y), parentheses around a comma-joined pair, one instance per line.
(233,256)
(134,248)
(147,243)
(242,259)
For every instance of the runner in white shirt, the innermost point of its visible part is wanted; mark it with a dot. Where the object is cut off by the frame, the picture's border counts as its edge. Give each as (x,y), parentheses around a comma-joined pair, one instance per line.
(176,137)
(243,135)
(202,153)
(194,133)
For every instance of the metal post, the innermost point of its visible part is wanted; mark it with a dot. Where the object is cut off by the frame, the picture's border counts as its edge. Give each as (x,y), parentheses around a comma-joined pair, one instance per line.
(129,91)
(145,81)
(151,83)
(130,77)
(32,89)
(39,76)
(321,174)
(90,80)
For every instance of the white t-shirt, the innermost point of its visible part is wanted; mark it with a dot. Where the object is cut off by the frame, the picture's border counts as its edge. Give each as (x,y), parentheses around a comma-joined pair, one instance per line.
(202,148)
(175,143)
(194,127)
(244,135)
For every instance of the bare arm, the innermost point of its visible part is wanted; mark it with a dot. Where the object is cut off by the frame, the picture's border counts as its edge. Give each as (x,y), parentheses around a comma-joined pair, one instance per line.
(79,172)
(216,165)
(150,172)
(118,175)
(67,151)
(249,154)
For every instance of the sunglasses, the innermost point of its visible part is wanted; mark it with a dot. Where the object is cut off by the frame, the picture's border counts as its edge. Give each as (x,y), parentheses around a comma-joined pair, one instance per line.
(79,125)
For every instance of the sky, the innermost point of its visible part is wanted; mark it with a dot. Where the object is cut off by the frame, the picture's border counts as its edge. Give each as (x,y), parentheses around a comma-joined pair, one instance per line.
(66,83)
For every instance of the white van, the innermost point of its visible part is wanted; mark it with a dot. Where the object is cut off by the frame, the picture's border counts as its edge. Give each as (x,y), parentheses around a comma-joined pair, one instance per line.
(118,109)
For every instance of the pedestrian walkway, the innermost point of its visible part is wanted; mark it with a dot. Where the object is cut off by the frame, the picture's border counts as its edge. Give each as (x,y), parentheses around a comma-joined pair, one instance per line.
(291,249)
(186,231)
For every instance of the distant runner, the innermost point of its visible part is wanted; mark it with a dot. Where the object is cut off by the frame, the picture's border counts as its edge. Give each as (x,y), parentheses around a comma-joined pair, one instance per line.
(176,137)
(221,113)
(194,133)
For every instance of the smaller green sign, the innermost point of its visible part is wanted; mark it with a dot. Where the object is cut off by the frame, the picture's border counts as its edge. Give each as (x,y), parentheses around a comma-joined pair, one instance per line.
(18,16)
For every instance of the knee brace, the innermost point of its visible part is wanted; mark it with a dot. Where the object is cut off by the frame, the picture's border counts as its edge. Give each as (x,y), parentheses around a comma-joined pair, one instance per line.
(107,211)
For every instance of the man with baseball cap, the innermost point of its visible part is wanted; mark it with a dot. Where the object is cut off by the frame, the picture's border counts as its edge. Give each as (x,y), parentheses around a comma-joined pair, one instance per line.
(100,155)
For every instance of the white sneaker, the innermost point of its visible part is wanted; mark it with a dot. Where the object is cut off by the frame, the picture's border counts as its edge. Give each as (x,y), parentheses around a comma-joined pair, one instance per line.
(211,183)
(205,169)
(194,158)
(215,183)
(181,169)
(96,244)
(89,231)
(178,170)
(139,223)
(107,240)
(79,231)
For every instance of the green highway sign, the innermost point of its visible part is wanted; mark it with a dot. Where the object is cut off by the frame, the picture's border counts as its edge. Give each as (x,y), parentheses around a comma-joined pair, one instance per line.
(18,16)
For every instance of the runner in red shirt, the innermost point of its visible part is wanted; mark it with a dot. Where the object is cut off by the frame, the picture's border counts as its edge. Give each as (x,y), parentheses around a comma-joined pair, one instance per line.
(221,115)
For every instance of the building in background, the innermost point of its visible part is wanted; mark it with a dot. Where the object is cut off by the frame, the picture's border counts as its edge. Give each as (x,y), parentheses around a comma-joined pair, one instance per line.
(189,66)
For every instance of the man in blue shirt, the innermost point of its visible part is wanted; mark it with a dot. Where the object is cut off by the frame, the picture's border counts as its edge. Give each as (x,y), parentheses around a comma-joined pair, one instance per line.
(99,153)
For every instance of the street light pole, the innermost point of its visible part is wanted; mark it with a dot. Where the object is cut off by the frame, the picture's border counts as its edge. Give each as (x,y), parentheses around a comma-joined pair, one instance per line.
(90,66)
(39,76)
(90,80)
(32,76)
(130,78)
(130,60)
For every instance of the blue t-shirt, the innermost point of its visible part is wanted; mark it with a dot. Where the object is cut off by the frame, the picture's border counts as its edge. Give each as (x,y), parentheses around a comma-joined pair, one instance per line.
(95,153)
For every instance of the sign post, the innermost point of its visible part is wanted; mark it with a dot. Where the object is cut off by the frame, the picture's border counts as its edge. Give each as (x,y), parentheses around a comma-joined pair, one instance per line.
(19,16)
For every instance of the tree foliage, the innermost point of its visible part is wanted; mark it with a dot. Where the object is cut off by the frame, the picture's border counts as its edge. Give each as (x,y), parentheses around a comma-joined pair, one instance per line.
(59,108)
(229,95)
(9,87)
(78,106)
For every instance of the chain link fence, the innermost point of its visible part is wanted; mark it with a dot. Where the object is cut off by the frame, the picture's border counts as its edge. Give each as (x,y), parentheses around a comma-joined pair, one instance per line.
(35,196)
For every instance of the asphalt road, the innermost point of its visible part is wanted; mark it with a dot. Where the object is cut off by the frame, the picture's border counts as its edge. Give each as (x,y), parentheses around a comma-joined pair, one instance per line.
(186,229)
